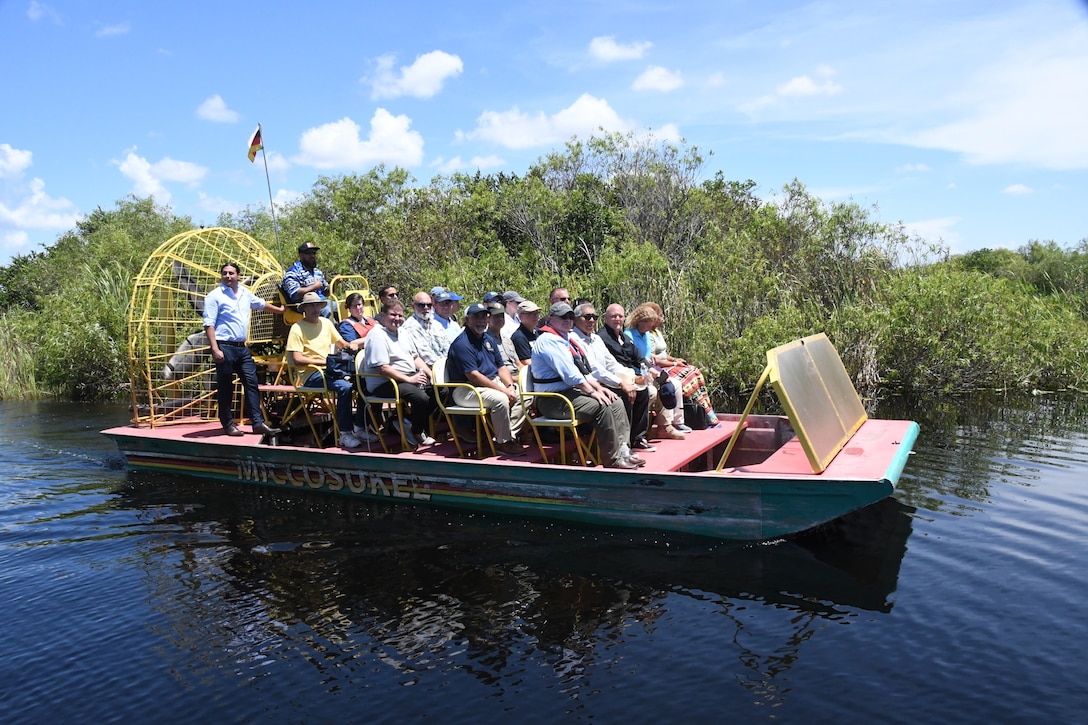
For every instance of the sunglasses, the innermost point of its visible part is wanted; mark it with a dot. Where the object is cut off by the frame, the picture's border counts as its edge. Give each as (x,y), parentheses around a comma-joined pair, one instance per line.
(589,317)
(423,304)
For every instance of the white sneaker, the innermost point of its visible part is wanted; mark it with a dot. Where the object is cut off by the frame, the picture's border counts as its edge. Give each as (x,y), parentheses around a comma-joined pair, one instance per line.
(365,435)
(426,440)
(348,440)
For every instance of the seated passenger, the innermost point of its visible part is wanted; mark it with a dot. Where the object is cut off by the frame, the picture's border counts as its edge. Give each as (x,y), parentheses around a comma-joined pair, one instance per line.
(392,355)
(559,365)
(511,300)
(446,304)
(495,323)
(644,330)
(525,336)
(308,343)
(475,359)
(357,325)
(303,276)
(426,336)
(614,376)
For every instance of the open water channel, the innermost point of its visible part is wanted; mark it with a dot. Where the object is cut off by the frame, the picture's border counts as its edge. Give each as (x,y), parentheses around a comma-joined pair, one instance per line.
(135,597)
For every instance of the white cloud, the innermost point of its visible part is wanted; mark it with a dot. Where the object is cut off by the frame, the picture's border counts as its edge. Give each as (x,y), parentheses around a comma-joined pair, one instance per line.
(1022,103)
(936,230)
(38,10)
(13,243)
(475,163)
(797,87)
(119,29)
(38,210)
(517,130)
(338,145)
(804,86)
(423,79)
(656,78)
(606,48)
(215,109)
(716,80)
(1018,190)
(148,178)
(13,161)
(912,168)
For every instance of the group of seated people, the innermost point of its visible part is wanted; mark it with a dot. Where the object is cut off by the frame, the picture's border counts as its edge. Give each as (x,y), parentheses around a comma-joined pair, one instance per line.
(613,376)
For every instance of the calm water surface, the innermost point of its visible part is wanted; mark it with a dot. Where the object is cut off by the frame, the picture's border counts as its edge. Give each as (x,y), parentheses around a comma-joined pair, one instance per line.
(147,598)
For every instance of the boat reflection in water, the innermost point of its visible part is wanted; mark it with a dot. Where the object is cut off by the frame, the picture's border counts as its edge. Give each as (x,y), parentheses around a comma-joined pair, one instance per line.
(257,574)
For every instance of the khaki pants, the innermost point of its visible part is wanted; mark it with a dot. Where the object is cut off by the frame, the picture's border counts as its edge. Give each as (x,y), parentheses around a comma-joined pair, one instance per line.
(506,417)
(613,428)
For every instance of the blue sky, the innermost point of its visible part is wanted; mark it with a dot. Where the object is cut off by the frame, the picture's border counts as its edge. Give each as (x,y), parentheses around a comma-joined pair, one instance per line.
(967,121)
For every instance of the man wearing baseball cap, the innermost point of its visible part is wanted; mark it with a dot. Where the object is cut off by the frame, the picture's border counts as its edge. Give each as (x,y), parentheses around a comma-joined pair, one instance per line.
(559,365)
(525,336)
(445,304)
(303,276)
(475,359)
(511,300)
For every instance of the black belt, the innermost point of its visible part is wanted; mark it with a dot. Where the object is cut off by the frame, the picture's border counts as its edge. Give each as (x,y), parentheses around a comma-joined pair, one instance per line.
(231,343)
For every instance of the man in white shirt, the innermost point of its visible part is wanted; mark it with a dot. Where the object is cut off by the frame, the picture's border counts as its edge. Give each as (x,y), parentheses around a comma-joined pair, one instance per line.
(426,335)
(614,376)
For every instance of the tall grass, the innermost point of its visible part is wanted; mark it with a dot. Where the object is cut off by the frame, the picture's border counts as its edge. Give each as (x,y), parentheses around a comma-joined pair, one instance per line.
(16,363)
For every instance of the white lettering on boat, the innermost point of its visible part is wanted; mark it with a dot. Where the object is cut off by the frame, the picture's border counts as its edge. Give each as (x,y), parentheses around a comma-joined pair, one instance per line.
(332,479)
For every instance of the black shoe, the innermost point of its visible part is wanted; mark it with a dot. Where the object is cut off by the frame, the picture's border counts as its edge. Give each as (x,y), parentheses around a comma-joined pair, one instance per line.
(232,430)
(265,430)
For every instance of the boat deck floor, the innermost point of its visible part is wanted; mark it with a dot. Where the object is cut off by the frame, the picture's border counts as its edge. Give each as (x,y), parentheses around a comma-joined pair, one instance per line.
(670,455)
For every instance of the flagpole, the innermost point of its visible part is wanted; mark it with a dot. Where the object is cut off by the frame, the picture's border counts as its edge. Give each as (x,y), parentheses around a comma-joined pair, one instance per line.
(271,204)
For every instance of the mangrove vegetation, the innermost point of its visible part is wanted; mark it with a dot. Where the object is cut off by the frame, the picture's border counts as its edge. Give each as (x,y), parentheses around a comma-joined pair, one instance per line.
(614,219)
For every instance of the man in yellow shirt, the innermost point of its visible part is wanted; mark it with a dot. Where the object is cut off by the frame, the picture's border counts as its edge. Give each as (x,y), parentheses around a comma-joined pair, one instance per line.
(309,342)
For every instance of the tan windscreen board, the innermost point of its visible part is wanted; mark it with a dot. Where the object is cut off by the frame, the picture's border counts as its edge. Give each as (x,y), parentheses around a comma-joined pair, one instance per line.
(820,400)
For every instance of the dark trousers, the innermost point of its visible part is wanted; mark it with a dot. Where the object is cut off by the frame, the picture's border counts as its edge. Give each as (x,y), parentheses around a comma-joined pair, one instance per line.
(236,359)
(421,402)
(638,412)
(344,390)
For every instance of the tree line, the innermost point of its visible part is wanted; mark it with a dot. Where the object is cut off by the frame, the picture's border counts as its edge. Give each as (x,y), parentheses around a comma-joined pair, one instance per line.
(615,218)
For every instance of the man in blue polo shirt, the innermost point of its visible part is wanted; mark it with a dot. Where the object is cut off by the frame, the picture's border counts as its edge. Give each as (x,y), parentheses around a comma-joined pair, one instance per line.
(226,321)
(474,358)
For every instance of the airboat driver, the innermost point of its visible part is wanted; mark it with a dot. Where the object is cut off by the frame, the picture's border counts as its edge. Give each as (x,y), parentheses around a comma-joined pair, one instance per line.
(303,277)
(226,321)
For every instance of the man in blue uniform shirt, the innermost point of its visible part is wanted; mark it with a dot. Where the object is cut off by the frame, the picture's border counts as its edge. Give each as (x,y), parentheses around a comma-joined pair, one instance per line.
(474,358)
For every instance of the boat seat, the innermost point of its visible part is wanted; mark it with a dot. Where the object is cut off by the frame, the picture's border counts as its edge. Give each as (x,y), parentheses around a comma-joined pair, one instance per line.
(380,403)
(476,410)
(584,448)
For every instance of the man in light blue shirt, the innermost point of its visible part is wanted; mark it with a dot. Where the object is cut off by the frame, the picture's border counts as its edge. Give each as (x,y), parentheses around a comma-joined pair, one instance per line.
(559,365)
(226,321)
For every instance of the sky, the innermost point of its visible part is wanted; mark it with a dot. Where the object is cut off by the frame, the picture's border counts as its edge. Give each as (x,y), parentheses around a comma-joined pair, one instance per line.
(966,121)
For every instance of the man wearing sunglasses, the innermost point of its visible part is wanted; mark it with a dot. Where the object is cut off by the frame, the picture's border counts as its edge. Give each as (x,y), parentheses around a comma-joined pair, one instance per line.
(610,373)
(426,336)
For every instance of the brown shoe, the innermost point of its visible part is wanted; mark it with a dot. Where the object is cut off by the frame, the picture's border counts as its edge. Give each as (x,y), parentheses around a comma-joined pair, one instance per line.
(636,460)
(670,432)
(233,430)
(623,463)
(510,448)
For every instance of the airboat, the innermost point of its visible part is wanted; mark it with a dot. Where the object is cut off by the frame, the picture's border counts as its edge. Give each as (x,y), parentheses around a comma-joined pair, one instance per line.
(755,477)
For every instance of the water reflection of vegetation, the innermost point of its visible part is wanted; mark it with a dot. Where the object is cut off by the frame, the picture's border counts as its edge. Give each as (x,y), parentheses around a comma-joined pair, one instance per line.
(347,585)
(966,444)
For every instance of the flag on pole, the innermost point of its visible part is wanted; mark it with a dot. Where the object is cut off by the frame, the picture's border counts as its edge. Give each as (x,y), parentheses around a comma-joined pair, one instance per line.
(255,144)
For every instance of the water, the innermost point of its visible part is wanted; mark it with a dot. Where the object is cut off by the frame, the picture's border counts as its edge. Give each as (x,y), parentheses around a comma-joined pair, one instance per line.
(142,597)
